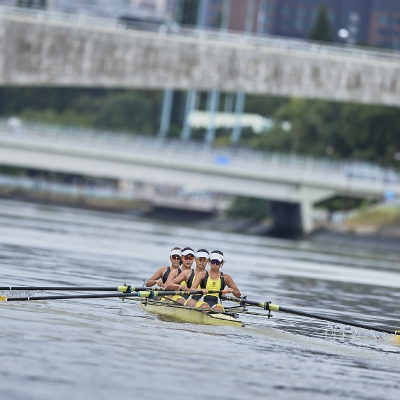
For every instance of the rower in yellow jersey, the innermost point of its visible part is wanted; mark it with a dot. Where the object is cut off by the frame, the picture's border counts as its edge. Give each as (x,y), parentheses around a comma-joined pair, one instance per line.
(166,274)
(214,280)
(185,280)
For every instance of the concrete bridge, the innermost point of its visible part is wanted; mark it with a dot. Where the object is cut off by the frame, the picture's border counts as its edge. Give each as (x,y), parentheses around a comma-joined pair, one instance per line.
(292,184)
(43,48)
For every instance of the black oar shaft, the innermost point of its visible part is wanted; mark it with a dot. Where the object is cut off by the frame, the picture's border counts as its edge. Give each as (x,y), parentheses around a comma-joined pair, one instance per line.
(77,296)
(336,320)
(273,307)
(122,289)
(61,288)
(145,294)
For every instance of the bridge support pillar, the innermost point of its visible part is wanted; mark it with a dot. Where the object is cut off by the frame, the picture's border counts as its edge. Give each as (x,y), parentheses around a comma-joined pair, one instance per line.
(191,105)
(237,129)
(291,218)
(166,113)
(212,107)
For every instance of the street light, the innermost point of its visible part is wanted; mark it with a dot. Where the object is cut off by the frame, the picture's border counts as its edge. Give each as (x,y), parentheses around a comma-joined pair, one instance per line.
(344,34)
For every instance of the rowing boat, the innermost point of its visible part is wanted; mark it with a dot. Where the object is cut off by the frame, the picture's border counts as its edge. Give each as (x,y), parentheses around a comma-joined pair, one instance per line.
(175,310)
(188,314)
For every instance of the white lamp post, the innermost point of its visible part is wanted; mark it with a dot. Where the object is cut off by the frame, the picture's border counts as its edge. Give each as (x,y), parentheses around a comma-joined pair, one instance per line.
(344,34)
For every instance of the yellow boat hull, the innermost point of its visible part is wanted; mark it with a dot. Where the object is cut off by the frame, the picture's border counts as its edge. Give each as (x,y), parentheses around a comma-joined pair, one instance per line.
(187,314)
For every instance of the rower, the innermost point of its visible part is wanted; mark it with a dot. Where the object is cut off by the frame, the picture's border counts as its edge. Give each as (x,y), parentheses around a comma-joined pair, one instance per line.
(185,280)
(166,274)
(214,280)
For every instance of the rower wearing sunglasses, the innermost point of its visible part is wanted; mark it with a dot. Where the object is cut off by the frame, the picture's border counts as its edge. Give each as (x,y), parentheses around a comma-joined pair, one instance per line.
(166,274)
(214,280)
(185,279)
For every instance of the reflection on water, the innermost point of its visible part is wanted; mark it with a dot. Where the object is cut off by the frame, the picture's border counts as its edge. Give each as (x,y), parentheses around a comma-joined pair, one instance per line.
(87,348)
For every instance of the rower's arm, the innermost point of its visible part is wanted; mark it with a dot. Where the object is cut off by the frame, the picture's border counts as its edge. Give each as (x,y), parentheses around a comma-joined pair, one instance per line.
(175,283)
(172,275)
(229,282)
(158,275)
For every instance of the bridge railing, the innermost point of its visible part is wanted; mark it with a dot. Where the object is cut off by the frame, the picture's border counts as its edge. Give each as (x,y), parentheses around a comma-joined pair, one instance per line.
(51,15)
(153,146)
(282,44)
(191,152)
(285,44)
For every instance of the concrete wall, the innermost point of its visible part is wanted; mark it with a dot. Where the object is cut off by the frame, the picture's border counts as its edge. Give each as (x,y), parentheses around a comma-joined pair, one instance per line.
(40,51)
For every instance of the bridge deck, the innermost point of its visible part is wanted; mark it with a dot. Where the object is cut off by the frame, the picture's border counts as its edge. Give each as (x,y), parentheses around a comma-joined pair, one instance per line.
(44,48)
(198,165)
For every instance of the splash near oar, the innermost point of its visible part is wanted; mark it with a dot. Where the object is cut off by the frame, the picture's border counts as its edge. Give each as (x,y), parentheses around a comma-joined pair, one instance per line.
(274,307)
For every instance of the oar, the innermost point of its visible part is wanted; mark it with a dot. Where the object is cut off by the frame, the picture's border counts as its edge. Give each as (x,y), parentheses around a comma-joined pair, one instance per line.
(144,294)
(123,289)
(274,307)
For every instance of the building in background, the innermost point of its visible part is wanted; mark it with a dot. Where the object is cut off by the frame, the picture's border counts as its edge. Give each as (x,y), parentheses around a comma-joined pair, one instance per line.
(368,22)
(384,26)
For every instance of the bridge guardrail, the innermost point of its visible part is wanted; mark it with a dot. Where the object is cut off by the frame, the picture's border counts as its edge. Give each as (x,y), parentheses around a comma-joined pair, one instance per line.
(189,151)
(125,142)
(283,44)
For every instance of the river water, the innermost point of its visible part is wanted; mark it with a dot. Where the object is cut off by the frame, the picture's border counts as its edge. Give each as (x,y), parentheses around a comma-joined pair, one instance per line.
(107,349)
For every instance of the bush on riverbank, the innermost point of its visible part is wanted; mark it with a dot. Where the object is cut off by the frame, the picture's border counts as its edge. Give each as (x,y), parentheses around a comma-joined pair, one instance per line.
(377,217)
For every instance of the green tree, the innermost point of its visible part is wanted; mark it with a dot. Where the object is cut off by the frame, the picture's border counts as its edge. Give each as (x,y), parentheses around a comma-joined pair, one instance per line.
(368,133)
(32,3)
(24,3)
(322,30)
(310,129)
(264,105)
(356,131)
(189,11)
(126,112)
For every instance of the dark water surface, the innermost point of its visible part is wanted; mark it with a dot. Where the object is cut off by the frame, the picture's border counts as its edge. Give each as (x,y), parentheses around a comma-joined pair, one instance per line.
(109,349)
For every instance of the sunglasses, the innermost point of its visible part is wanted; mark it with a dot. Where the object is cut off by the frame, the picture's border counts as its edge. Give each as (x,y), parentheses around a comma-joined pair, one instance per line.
(203,259)
(188,257)
(175,257)
(216,262)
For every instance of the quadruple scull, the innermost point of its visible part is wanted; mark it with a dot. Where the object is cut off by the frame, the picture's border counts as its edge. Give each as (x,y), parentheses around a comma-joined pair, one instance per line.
(153,304)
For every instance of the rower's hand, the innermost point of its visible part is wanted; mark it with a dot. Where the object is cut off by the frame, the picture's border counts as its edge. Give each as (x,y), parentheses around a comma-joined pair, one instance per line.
(205,291)
(229,290)
(160,283)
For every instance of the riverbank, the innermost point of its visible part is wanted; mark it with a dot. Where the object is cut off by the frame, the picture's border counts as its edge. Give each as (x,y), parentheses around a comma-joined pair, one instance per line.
(65,200)
(379,221)
(381,237)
